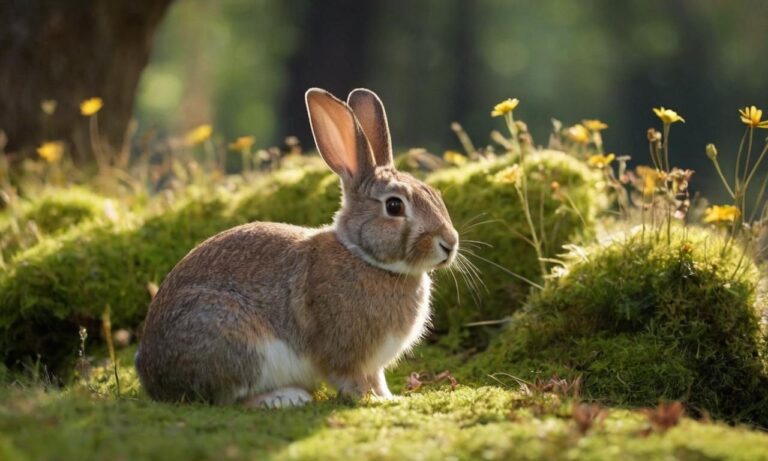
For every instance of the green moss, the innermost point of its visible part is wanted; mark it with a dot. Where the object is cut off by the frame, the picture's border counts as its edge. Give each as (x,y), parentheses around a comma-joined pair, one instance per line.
(488,211)
(53,212)
(308,197)
(436,424)
(644,320)
(69,279)
(58,210)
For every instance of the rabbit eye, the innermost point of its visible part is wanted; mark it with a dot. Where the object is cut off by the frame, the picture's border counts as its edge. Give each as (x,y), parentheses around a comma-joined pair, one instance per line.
(395,206)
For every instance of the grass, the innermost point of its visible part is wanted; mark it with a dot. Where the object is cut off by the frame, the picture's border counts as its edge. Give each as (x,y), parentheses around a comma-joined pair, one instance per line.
(434,423)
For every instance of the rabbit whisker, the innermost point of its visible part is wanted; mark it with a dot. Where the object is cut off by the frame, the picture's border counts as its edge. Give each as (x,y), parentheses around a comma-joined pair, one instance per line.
(473,270)
(469,221)
(472,278)
(477,242)
(507,271)
(481,223)
(470,284)
(455,284)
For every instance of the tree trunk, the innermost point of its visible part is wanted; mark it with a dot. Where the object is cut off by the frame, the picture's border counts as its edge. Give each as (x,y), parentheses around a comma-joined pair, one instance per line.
(331,55)
(68,51)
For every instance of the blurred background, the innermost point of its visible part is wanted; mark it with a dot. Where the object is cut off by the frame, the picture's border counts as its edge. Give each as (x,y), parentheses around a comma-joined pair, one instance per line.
(243,67)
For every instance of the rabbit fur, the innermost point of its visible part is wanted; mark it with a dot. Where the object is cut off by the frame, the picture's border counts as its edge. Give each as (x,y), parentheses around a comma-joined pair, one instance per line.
(259,314)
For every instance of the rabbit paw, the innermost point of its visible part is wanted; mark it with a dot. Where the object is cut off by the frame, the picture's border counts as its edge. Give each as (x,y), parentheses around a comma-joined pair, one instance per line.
(281,398)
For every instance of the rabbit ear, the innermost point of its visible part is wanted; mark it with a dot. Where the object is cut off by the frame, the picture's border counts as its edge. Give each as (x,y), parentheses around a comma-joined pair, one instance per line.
(373,119)
(338,135)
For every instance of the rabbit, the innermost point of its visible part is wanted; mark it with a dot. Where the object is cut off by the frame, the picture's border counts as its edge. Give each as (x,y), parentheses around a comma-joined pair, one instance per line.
(260,314)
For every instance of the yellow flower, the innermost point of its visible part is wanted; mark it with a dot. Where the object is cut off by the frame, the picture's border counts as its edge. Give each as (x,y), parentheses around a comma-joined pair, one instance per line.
(600,160)
(651,177)
(243,143)
(504,107)
(48,106)
(722,214)
(578,133)
(509,175)
(751,116)
(594,125)
(668,116)
(455,158)
(91,106)
(199,135)
(51,151)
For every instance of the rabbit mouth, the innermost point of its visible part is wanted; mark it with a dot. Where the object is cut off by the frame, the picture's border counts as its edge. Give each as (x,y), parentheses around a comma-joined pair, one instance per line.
(445,262)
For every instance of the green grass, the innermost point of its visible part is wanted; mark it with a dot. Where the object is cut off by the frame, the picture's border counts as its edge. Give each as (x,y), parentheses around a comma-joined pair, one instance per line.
(435,423)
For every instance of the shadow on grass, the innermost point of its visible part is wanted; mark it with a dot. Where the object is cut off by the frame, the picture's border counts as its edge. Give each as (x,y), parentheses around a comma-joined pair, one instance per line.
(78,425)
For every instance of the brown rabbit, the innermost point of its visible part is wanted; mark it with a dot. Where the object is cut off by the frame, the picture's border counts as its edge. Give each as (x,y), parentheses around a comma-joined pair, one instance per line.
(260,313)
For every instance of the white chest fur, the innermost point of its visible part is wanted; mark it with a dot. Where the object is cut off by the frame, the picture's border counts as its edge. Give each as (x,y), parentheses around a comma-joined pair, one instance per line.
(282,367)
(394,346)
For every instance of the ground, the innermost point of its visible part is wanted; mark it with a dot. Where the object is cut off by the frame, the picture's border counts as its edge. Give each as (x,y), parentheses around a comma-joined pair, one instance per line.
(434,422)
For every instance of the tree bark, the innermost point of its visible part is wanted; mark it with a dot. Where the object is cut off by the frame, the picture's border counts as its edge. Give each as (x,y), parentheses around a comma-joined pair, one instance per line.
(331,55)
(69,51)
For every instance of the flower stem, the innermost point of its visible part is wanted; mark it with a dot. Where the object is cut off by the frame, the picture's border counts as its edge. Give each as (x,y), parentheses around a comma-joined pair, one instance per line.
(527,212)
(754,169)
(522,192)
(749,152)
(666,147)
(722,178)
(738,158)
(98,154)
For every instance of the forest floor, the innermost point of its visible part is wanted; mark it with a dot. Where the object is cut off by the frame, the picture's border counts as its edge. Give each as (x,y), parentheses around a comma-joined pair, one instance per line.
(436,421)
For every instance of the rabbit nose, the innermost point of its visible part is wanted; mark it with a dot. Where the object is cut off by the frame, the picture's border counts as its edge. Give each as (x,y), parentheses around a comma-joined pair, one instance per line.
(450,244)
(450,239)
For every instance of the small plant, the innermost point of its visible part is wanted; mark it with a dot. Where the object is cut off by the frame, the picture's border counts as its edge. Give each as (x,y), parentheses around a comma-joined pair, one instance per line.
(586,416)
(106,326)
(515,175)
(665,416)
(744,220)
(417,380)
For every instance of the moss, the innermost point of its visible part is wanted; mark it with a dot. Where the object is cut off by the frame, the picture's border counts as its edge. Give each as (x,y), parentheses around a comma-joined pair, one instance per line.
(642,319)
(488,211)
(69,279)
(308,196)
(58,210)
(53,212)
(468,423)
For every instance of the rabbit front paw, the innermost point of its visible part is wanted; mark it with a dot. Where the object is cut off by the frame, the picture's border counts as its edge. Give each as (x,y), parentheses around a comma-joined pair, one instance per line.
(280,398)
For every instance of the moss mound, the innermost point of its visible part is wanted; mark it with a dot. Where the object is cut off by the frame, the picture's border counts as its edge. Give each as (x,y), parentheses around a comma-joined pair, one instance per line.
(68,280)
(58,210)
(307,197)
(53,212)
(564,200)
(642,319)
(70,277)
